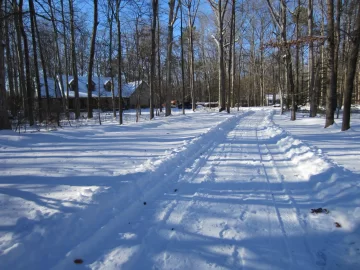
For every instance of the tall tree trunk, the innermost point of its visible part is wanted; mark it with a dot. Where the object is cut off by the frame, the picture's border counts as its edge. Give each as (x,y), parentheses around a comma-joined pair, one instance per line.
(312,92)
(29,88)
(191,20)
(336,51)
(182,63)
(155,6)
(351,68)
(219,9)
(110,18)
(118,23)
(281,22)
(20,57)
(169,43)
(58,57)
(159,65)
(331,51)
(9,61)
(91,61)
(4,119)
(74,63)
(44,69)
(297,55)
(34,45)
(231,58)
(232,86)
(66,60)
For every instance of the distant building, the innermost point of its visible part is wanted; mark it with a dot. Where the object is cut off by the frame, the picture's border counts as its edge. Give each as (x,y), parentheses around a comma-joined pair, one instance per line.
(133,93)
(272,99)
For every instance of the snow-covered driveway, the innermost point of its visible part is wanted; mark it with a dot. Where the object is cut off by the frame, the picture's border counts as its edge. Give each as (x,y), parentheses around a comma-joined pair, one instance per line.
(236,197)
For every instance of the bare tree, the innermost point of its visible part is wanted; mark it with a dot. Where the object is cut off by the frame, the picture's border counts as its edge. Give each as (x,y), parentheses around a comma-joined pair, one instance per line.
(281,22)
(155,8)
(91,61)
(169,44)
(182,61)
(219,9)
(119,59)
(192,8)
(351,69)
(4,119)
(73,56)
(331,51)
(312,93)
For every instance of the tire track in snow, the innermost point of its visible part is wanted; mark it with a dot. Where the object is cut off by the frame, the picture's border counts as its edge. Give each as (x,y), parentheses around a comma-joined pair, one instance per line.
(293,223)
(176,216)
(150,188)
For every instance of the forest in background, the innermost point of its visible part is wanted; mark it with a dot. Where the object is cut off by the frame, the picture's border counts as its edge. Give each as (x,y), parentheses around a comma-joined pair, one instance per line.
(233,52)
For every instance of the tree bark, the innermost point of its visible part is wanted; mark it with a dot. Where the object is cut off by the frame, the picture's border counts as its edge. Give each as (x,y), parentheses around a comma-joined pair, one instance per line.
(4,119)
(29,88)
(36,65)
(312,92)
(20,57)
(331,51)
(119,58)
(9,62)
(155,6)
(159,65)
(182,62)
(169,43)
(74,63)
(91,61)
(351,68)
(219,9)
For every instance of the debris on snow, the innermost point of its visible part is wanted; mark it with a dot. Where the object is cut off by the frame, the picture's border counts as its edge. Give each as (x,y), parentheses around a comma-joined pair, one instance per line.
(319,210)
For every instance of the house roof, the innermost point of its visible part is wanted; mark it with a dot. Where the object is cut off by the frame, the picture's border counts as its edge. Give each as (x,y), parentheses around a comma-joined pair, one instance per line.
(55,90)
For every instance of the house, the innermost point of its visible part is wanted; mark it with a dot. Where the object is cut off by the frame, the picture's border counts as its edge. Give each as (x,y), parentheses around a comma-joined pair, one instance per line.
(270,99)
(133,93)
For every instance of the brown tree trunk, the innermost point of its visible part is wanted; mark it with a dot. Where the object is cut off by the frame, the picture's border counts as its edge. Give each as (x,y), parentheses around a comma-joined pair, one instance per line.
(331,51)
(91,61)
(351,68)
(159,65)
(44,69)
(155,6)
(231,58)
(219,9)
(58,57)
(74,64)
(20,57)
(182,63)
(29,88)
(172,17)
(312,93)
(34,45)
(66,60)
(9,64)
(4,119)
(118,23)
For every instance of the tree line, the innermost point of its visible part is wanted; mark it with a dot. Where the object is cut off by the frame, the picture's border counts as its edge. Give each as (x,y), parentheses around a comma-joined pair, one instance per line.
(234,52)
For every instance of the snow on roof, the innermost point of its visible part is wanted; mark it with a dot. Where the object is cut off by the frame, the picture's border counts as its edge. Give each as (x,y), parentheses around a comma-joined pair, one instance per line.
(55,89)
(129,88)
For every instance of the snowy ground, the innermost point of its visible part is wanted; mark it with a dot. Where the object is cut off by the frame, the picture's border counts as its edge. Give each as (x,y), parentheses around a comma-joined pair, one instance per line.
(202,191)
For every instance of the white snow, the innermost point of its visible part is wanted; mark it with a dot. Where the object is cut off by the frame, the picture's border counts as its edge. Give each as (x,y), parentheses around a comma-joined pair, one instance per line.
(204,190)
(54,87)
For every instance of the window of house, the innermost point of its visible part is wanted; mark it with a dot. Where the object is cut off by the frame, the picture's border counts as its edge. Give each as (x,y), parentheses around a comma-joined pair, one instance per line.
(107,86)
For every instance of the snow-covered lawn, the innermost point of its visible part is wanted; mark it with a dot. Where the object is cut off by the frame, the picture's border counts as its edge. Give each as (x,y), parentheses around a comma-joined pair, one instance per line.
(204,190)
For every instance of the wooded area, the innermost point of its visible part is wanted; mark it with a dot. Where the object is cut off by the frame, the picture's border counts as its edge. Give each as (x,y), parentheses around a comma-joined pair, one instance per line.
(234,52)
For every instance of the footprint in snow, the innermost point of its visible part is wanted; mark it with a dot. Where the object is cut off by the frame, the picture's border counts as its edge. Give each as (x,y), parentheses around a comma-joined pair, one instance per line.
(320,258)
